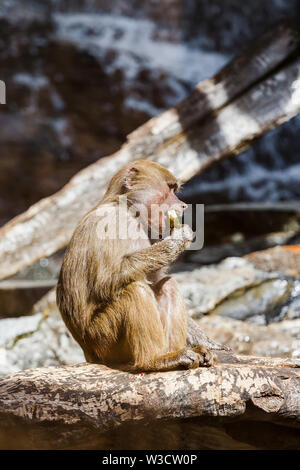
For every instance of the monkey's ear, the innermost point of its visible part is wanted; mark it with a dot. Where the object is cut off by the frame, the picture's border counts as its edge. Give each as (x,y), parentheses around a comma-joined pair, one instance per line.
(130,178)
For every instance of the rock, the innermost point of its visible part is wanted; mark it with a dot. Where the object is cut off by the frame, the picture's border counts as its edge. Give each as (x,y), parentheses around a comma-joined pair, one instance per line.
(207,287)
(236,288)
(280,339)
(285,259)
(257,304)
(37,340)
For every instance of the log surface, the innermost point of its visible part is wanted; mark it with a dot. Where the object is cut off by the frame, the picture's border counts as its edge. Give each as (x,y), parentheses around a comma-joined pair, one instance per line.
(106,398)
(256,92)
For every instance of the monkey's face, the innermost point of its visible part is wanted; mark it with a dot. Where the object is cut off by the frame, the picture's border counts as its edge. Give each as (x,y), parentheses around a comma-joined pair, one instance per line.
(163,200)
(150,190)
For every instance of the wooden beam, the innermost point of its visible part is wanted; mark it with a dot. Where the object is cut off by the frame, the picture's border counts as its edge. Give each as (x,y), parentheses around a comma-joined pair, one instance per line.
(227,132)
(258,60)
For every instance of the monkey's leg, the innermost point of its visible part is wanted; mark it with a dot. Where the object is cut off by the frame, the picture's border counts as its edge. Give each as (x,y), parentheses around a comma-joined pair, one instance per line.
(146,334)
(171,301)
(174,318)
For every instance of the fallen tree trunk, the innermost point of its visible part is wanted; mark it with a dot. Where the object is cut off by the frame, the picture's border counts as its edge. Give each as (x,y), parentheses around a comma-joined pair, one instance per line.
(256,92)
(79,406)
(262,57)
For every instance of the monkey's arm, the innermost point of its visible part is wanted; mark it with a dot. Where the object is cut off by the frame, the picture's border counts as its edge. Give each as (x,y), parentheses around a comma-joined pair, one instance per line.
(151,259)
(137,265)
(196,336)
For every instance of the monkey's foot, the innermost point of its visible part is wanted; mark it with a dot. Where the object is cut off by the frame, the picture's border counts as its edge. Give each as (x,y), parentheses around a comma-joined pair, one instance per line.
(199,356)
(207,357)
(189,359)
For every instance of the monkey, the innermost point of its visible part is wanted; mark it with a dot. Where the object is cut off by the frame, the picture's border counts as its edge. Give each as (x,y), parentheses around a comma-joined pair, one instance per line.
(114,293)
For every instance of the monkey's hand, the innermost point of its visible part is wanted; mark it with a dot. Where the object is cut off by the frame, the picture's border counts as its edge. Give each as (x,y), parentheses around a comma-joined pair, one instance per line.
(183,233)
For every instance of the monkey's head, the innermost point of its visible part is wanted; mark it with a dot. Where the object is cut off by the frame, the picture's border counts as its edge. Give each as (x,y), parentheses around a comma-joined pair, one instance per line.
(150,186)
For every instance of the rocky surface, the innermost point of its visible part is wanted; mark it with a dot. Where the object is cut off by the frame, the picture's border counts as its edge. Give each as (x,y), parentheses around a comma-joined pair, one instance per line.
(276,340)
(285,259)
(233,288)
(37,340)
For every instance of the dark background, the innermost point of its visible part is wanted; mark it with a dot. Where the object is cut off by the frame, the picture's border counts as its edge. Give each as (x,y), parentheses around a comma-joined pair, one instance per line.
(81,75)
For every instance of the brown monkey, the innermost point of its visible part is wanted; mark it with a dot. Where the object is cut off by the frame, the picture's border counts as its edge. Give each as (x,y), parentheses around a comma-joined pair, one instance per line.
(113,293)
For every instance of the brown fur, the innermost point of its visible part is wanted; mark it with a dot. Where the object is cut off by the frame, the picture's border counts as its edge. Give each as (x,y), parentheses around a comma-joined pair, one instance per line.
(114,295)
